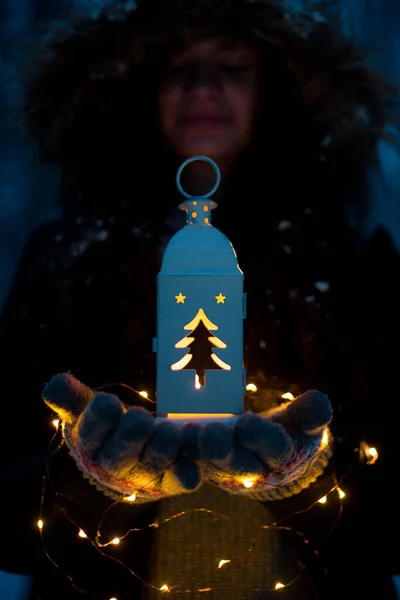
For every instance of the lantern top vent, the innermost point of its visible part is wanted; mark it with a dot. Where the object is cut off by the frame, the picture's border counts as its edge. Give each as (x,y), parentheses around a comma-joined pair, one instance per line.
(198,208)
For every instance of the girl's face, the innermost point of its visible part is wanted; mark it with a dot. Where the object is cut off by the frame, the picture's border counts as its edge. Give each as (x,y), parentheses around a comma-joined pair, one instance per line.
(209,98)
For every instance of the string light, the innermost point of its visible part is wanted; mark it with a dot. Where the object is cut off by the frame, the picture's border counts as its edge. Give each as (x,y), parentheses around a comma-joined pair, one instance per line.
(222,563)
(370,453)
(144,394)
(248,482)
(56,423)
(341,493)
(287,396)
(251,387)
(130,498)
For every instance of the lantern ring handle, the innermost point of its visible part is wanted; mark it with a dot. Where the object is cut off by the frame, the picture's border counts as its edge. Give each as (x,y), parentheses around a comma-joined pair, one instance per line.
(192,159)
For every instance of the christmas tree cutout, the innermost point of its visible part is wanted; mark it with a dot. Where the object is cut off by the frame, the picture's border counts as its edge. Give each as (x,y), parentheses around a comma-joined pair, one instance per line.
(200,355)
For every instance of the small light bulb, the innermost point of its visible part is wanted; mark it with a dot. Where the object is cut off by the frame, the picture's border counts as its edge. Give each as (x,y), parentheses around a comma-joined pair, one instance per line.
(222,563)
(340,492)
(113,598)
(279,585)
(130,498)
(56,423)
(373,452)
(323,500)
(164,588)
(325,438)
(115,541)
(144,394)
(82,534)
(251,387)
(248,483)
(287,396)
(197,383)
(40,524)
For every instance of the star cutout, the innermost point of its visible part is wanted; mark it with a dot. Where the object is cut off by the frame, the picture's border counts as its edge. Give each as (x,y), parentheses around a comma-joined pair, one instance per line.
(180,299)
(220,299)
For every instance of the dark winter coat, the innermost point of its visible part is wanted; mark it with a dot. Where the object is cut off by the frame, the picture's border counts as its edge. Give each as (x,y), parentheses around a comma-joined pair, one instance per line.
(322,313)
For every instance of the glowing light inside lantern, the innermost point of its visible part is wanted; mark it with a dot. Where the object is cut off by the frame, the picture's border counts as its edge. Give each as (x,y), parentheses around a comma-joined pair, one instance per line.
(222,563)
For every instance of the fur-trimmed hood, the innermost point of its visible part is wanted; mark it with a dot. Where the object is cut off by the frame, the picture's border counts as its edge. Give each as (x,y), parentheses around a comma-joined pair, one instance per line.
(93,86)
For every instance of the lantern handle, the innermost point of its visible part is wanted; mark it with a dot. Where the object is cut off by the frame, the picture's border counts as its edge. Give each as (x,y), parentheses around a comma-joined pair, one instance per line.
(192,159)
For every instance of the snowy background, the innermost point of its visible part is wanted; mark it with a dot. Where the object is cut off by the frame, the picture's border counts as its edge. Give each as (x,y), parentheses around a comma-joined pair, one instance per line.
(28,190)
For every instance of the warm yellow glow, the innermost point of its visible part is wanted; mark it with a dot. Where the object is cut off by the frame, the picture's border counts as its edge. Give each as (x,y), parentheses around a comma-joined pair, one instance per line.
(56,423)
(201,316)
(82,534)
(220,298)
(193,416)
(206,220)
(181,364)
(287,396)
(197,383)
(323,500)
(205,208)
(113,599)
(180,299)
(222,365)
(222,563)
(130,498)
(164,588)
(248,483)
(251,387)
(279,585)
(184,342)
(340,492)
(216,342)
(325,438)
(115,541)
(144,394)
(40,524)
(194,214)
(369,454)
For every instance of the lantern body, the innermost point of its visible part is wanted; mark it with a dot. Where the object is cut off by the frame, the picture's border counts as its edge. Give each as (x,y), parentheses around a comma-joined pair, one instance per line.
(200,308)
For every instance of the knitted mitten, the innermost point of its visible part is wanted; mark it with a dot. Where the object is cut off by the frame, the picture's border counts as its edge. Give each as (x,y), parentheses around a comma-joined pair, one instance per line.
(272,455)
(122,451)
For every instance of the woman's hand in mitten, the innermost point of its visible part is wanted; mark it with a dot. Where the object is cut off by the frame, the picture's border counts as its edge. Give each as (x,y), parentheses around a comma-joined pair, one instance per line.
(122,451)
(272,455)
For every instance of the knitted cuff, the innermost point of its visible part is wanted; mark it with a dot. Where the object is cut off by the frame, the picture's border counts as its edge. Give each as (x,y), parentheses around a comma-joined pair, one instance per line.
(306,464)
(109,485)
